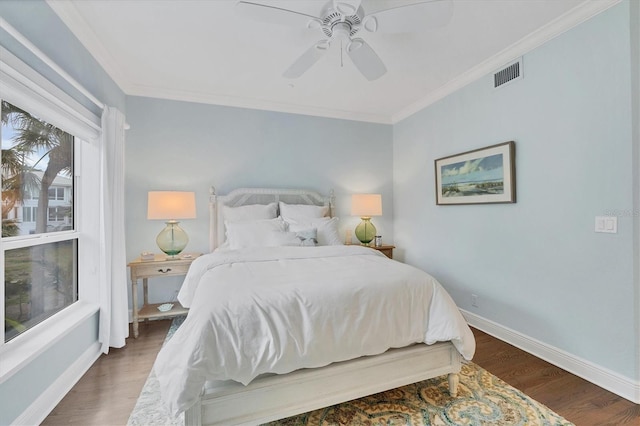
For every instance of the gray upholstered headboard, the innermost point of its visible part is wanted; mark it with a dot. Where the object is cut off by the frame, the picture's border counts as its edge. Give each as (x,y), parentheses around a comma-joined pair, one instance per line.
(245,196)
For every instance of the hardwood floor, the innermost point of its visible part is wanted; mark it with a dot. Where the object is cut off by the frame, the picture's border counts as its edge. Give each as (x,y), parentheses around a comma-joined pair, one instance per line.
(575,399)
(107,393)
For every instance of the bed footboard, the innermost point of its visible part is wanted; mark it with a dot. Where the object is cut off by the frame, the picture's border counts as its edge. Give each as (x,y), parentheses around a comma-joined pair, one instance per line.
(275,397)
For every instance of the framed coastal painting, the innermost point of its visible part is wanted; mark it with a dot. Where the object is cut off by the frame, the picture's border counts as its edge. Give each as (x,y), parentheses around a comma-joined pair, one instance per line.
(482,176)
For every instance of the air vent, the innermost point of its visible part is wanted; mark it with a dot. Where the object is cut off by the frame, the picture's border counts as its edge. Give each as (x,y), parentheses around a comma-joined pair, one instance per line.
(508,74)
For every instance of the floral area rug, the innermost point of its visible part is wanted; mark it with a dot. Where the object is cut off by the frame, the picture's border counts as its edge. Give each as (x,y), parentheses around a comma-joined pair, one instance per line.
(483,399)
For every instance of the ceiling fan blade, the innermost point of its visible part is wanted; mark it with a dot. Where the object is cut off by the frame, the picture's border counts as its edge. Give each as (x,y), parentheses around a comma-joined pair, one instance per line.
(347,7)
(365,59)
(410,17)
(307,59)
(275,15)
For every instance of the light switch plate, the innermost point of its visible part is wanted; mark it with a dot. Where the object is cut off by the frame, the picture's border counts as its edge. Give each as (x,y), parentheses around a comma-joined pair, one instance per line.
(607,224)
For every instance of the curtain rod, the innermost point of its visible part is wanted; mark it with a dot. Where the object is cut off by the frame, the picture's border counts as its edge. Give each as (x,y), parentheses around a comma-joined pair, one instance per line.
(44,58)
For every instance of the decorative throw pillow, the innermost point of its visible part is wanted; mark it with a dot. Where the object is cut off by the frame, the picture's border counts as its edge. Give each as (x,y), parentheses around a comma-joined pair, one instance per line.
(280,239)
(308,237)
(327,228)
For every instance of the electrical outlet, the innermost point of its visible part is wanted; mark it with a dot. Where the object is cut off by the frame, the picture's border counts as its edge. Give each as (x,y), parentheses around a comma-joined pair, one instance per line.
(474,300)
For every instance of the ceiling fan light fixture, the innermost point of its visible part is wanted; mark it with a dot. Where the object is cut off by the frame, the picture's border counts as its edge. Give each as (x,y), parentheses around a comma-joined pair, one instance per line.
(342,20)
(370,24)
(341,30)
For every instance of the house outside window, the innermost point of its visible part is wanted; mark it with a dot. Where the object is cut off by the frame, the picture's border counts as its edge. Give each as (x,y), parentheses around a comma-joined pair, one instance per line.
(39,236)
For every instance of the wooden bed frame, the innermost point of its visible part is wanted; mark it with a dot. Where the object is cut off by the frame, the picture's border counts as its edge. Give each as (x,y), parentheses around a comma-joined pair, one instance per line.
(273,397)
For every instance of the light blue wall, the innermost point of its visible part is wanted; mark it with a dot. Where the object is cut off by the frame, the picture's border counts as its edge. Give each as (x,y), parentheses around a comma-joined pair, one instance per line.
(37,22)
(635,119)
(20,390)
(187,146)
(537,266)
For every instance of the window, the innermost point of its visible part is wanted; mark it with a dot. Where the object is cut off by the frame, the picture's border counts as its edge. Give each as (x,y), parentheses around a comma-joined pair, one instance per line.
(40,266)
(57,214)
(29,214)
(56,194)
(60,259)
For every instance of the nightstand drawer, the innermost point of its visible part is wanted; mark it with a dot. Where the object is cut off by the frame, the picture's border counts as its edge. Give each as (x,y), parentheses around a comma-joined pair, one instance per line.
(166,269)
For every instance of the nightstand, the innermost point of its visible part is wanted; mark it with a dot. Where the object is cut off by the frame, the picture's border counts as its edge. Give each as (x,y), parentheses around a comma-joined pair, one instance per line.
(386,250)
(158,267)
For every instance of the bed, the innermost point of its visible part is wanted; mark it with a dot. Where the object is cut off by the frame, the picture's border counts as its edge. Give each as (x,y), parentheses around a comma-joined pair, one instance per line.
(285,319)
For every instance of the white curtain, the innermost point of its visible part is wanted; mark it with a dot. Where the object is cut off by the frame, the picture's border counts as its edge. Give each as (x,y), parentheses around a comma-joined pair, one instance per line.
(114,317)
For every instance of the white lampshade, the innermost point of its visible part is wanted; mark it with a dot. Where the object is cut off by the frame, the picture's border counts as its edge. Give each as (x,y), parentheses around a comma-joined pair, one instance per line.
(366,205)
(165,205)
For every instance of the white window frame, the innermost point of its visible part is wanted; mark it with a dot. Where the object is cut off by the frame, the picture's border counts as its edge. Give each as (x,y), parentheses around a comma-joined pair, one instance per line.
(22,86)
(23,241)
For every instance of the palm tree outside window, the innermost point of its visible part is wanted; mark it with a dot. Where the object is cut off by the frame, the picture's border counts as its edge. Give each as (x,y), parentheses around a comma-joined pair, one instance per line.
(40,279)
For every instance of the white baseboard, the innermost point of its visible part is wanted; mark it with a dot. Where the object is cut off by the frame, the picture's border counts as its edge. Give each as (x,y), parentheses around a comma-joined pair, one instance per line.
(47,401)
(598,375)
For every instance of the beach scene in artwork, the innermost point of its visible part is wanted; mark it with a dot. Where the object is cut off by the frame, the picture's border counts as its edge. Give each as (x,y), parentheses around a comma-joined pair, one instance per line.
(479,176)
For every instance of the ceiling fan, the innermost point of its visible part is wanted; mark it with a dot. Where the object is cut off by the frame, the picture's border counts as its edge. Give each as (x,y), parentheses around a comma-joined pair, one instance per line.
(341,20)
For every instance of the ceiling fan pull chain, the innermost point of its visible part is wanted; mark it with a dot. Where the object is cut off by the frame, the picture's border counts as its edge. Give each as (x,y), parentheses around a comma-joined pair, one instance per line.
(341,55)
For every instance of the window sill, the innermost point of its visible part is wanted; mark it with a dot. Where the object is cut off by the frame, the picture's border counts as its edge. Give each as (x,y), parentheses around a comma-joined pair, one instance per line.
(23,349)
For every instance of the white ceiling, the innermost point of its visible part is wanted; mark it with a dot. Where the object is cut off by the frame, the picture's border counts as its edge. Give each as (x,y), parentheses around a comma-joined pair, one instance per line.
(203,51)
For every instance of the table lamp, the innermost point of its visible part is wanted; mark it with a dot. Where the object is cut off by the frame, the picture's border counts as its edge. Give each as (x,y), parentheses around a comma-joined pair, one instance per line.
(170,206)
(365,206)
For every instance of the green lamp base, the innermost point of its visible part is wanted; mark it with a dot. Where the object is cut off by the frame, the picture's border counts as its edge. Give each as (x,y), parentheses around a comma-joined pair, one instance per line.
(172,239)
(365,231)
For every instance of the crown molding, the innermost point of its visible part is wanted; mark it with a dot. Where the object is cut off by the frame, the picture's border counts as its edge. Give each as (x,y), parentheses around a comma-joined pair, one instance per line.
(251,103)
(570,19)
(74,21)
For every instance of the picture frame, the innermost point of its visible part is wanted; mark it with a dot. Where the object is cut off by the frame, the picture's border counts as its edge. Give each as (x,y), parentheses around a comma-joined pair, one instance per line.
(482,176)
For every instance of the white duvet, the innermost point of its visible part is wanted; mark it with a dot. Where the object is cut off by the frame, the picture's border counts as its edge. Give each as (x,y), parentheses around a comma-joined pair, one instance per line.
(279,309)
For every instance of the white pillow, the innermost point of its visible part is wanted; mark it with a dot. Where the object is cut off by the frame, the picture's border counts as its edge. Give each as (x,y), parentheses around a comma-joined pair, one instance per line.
(302,212)
(257,233)
(327,227)
(250,212)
